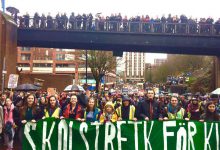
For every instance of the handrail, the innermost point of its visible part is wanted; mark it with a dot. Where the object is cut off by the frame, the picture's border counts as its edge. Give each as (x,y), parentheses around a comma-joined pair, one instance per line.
(200,28)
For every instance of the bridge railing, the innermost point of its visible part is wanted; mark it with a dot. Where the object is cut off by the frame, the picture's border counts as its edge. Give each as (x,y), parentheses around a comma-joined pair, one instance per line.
(121,26)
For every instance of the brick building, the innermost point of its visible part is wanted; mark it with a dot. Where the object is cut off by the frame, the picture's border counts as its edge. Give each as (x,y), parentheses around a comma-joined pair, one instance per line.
(57,67)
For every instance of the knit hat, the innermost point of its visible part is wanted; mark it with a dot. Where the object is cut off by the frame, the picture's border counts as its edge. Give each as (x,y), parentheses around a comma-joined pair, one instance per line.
(109,104)
(126,98)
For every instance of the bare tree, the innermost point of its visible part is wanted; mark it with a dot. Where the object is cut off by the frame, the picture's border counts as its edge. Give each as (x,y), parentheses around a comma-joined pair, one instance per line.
(101,62)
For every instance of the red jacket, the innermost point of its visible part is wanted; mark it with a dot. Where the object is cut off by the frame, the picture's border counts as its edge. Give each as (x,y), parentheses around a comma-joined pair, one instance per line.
(78,111)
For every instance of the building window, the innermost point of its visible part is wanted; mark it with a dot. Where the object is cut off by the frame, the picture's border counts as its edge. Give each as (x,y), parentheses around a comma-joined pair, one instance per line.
(42,65)
(23,65)
(25,56)
(42,57)
(60,56)
(82,66)
(25,48)
(65,65)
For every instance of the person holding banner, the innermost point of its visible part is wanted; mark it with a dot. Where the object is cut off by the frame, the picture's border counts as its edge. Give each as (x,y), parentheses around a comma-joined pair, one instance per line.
(149,109)
(210,113)
(24,113)
(109,113)
(73,110)
(92,113)
(29,112)
(126,111)
(194,110)
(174,110)
(53,109)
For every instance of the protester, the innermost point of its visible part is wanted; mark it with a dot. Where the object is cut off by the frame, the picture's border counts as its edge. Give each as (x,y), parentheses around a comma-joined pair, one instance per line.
(194,110)
(52,109)
(92,113)
(9,124)
(73,110)
(149,108)
(42,104)
(3,99)
(126,111)
(28,112)
(210,113)
(109,113)
(114,22)
(1,124)
(174,110)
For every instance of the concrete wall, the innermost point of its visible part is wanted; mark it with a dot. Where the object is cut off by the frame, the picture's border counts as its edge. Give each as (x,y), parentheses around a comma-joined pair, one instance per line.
(8,46)
(50,80)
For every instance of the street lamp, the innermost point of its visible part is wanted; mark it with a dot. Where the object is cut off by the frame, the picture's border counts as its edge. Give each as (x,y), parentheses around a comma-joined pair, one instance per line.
(149,67)
(86,65)
(3,75)
(3,5)
(150,72)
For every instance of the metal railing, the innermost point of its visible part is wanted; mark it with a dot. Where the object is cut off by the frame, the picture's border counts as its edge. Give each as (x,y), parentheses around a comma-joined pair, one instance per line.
(120,26)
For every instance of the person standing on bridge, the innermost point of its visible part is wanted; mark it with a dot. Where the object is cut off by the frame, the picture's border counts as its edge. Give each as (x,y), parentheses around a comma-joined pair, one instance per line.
(43,21)
(26,20)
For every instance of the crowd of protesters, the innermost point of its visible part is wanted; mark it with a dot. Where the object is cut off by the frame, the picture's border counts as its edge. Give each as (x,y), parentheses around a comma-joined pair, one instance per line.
(115,22)
(18,108)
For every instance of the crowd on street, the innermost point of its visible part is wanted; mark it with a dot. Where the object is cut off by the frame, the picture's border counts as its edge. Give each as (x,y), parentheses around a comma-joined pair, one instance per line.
(19,107)
(115,22)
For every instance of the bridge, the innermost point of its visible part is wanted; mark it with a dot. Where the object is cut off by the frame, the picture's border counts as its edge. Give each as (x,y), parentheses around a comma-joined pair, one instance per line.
(174,42)
(172,38)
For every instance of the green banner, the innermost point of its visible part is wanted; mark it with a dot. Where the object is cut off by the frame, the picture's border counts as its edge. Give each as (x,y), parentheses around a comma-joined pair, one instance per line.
(67,134)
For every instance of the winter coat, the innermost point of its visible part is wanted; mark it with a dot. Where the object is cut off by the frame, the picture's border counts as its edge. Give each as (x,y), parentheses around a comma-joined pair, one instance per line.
(78,111)
(1,119)
(56,113)
(105,117)
(131,112)
(96,115)
(143,110)
(176,113)
(8,115)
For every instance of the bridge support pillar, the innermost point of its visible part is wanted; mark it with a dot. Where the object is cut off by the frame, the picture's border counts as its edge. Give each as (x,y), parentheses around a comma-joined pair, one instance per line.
(217,71)
(8,48)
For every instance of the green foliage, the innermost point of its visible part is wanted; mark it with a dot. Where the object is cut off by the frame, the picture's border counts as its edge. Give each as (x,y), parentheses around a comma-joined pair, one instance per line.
(200,66)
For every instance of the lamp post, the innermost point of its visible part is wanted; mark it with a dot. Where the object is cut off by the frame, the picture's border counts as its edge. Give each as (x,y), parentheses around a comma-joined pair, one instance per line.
(3,5)
(150,73)
(3,75)
(86,65)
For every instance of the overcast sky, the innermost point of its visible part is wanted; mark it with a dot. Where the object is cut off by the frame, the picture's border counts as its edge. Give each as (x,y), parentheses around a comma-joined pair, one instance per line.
(194,8)
(191,8)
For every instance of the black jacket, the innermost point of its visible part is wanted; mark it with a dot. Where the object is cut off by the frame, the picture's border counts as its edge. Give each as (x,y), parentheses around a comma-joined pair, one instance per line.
(143,110)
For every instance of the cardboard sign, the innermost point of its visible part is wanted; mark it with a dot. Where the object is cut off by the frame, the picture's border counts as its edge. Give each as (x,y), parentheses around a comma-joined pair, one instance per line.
(51,91)
(13,81)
